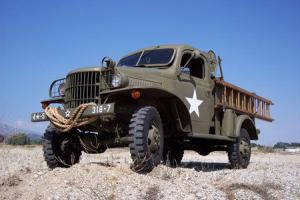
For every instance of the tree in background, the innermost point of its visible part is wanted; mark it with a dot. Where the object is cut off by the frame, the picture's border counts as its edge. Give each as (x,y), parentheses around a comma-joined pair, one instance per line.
(1,138)
(18,139)
(284,145)
(36,141)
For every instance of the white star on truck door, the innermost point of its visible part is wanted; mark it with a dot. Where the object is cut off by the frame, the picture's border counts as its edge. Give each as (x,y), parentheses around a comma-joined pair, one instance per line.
(194,103)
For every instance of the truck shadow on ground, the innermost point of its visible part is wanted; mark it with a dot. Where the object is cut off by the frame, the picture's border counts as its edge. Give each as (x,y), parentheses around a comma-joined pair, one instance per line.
(205,166)
(197,166)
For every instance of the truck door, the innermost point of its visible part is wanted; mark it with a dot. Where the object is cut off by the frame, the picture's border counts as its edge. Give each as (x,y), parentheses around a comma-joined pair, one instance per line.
(195,87)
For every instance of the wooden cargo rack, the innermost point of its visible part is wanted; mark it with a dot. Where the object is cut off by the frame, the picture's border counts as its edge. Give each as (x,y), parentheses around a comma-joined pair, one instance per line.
(242,101)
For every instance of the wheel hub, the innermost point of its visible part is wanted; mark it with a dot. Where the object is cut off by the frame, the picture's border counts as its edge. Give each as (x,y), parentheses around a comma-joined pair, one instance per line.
(244,149)
(153,139)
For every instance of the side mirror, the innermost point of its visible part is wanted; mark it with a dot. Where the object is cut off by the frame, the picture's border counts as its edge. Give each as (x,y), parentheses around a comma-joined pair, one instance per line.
(107,62)
(178,72)
(213,61)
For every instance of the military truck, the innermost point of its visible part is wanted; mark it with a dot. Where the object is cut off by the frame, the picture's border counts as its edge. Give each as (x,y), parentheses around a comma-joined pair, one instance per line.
(159,101)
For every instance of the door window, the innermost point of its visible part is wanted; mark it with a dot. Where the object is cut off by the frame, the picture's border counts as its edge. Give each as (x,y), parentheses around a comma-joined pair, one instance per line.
(194,67)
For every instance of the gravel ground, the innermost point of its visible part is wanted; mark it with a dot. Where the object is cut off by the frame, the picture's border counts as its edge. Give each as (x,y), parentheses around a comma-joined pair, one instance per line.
(24,175)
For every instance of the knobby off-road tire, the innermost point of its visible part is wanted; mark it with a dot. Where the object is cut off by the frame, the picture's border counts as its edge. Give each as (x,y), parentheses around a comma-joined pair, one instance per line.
(146,139)
(60,149)
(239,153)
(172,154)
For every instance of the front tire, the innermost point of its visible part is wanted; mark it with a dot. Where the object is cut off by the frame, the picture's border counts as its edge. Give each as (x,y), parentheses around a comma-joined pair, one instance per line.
(60,149)
(239,153)
(146,139)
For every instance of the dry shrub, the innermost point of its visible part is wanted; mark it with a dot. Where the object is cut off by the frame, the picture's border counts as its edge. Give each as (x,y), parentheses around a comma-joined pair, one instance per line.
(265,149)
(152,193)
(166,176)
(11,181)
(26,170)
(263,190)
(32,146)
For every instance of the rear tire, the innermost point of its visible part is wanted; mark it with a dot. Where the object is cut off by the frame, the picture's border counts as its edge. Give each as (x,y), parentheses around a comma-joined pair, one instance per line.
(146,139)
(239,153)
(60,149)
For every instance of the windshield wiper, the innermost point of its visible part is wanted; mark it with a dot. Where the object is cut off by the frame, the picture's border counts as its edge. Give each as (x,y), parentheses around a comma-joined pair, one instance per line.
(140,65)
(145,54)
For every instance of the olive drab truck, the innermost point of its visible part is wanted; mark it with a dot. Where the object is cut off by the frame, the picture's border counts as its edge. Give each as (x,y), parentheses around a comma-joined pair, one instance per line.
(158,101)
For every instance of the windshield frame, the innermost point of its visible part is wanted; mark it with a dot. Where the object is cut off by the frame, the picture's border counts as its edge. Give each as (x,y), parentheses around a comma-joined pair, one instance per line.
(150,65)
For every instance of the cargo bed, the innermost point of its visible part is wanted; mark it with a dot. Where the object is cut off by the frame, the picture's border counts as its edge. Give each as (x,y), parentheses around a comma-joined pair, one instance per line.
(233,97)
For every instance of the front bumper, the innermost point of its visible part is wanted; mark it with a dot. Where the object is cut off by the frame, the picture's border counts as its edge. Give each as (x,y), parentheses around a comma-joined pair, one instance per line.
(96,110)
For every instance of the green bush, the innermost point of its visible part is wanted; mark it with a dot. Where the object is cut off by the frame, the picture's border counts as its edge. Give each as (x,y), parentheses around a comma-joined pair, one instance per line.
(18,139)
(266,149)
(262,148)
(36,141)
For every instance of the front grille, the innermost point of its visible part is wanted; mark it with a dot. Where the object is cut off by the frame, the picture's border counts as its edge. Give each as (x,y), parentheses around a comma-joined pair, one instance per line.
(84,87)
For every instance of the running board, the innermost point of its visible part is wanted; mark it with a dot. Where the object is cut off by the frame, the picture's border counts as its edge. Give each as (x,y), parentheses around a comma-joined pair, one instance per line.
(211,137)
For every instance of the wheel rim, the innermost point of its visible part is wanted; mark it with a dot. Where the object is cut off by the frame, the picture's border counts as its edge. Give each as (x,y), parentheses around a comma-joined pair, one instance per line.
(244,149)
(153,139)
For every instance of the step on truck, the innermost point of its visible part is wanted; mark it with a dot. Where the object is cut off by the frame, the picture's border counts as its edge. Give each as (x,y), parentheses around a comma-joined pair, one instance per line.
(159,101)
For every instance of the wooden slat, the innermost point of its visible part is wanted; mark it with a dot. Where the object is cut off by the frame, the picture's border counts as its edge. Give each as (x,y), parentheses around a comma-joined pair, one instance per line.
(239,100)
(258,116)
(229,85)
(243,101)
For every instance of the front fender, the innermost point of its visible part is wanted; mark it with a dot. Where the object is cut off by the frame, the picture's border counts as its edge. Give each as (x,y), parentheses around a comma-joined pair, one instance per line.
(162,97)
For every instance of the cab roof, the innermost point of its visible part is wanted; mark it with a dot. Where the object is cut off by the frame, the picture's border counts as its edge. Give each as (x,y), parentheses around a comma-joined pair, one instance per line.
(173,46)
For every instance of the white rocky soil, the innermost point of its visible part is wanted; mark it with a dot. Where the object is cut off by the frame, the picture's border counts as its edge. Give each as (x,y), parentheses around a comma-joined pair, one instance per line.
(24,175)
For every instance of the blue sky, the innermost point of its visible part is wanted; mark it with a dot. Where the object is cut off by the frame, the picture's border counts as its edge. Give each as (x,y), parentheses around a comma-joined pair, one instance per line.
(259,42)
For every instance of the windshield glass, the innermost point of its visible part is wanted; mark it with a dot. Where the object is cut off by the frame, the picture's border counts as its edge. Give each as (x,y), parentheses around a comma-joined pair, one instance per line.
(148,57)
(130,60)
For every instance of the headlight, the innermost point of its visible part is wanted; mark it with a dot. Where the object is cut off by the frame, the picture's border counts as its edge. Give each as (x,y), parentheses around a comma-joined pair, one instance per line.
(116,80)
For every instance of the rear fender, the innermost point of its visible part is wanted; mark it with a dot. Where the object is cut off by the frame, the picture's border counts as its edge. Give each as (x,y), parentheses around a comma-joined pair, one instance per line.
(244,121)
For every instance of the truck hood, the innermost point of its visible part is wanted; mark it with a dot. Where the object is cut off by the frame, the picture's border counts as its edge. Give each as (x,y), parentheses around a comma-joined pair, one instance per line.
(147,74)
(143,73)
(85,69)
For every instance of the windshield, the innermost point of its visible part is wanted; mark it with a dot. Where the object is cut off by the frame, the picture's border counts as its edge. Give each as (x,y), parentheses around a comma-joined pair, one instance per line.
(148,57)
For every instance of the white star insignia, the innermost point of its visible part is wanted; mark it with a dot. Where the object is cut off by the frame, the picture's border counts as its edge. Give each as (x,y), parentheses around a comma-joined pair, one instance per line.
(194,103)
(68,113)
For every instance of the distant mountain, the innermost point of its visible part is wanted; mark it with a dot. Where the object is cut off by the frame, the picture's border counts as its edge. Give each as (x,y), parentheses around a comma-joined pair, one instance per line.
(6,129)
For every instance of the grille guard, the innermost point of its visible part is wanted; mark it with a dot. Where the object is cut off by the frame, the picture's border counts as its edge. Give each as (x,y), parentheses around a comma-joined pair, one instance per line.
(96,110)
(85,87)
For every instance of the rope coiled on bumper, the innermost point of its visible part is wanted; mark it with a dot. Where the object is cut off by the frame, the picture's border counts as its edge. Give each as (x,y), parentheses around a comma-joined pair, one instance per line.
(64,125)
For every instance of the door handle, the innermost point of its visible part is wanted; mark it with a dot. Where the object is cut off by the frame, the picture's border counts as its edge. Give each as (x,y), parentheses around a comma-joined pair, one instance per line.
(207,94)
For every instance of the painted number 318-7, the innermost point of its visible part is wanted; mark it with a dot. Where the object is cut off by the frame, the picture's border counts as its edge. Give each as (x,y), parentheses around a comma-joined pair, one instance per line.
(101,109)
